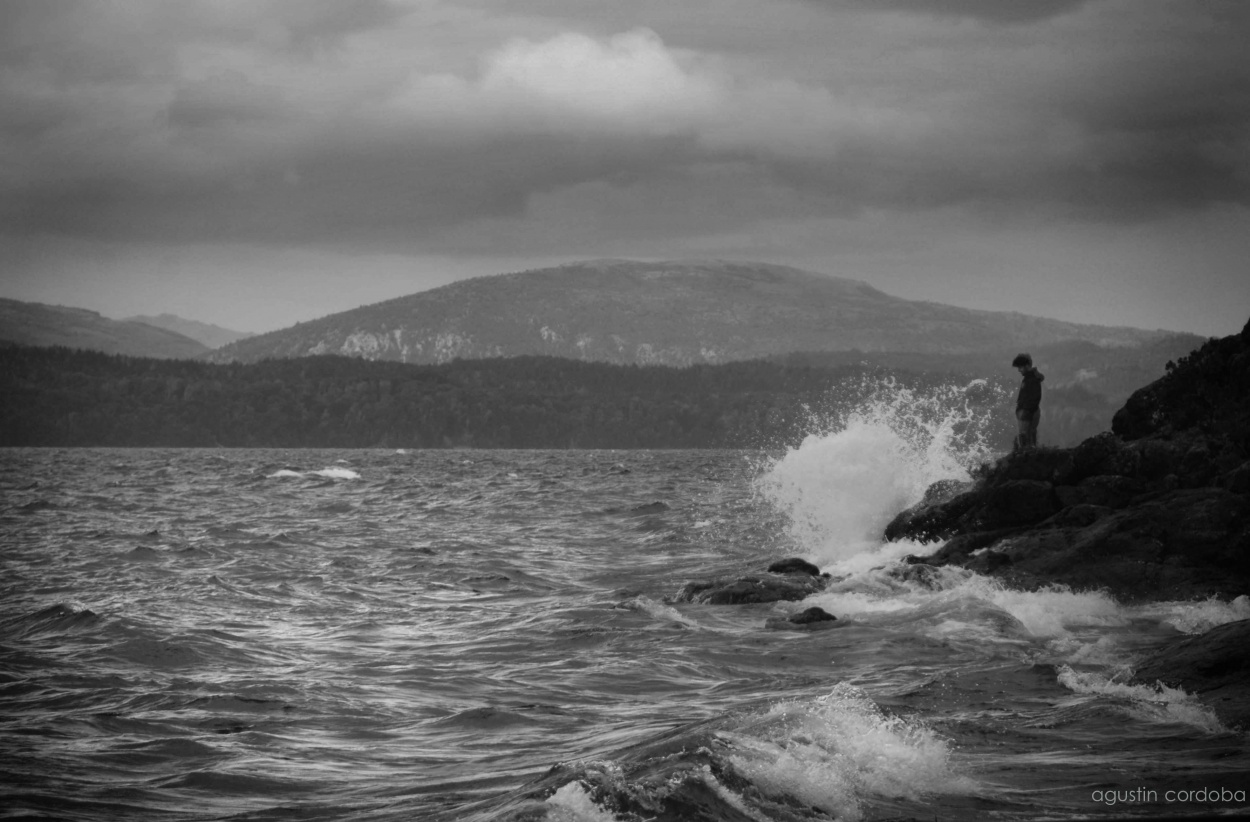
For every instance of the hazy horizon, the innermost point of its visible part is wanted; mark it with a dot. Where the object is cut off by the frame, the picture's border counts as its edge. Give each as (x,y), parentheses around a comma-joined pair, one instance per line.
(255,163)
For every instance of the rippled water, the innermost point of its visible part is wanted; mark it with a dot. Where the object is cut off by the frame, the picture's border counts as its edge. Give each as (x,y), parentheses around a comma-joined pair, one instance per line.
(380,635)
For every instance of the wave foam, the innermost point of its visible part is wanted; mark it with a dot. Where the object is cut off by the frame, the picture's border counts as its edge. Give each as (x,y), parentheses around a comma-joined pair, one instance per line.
(1152,703)
(328,473)
(573,803)
(832,752)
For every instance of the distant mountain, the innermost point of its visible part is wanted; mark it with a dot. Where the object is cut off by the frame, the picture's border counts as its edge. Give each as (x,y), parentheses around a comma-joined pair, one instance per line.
(667,313)
(46,325)
(213,336)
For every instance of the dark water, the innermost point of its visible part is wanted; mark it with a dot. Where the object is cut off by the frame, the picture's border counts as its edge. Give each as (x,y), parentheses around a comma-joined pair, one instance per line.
(378,635)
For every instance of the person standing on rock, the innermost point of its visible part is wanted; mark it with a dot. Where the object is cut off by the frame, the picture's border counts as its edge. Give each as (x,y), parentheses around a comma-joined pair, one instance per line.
(1028,402)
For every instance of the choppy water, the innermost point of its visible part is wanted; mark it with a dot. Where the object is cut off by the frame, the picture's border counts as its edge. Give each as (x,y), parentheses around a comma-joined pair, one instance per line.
(380,635)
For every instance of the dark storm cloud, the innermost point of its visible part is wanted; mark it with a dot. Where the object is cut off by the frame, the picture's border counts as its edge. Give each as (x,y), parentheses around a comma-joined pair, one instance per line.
(332,121)
(995,11)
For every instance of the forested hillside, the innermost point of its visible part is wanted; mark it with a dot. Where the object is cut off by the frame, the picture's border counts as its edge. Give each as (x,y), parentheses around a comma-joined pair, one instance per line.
(63,397)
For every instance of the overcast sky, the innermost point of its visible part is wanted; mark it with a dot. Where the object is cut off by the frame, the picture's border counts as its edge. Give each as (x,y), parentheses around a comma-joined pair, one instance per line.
(252,163)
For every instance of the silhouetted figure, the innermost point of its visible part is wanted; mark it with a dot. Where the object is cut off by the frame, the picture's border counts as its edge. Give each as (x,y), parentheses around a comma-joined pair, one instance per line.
(1028,402)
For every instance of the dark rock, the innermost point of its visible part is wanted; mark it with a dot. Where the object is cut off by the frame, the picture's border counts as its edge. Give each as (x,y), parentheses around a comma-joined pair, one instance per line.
(945,491)
(987,562)
(794,565)
(1053,465)
(1094,456)
(813,619)
(919,572)
(1076,515)
(1214,666)
(1108,491)
(927,523)
(1157,508)
(812,614)
(963,546)
(1206,390)
(746,590)
(1181,545)
(1014,502)
(1238,480)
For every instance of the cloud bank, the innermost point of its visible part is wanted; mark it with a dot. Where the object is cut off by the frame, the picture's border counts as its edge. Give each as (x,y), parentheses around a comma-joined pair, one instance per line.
(302,121)
(907,142)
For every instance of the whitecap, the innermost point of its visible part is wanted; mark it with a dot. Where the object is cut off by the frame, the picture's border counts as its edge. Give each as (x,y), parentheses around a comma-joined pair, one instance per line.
(573,803)
(1152,703)
(835,751)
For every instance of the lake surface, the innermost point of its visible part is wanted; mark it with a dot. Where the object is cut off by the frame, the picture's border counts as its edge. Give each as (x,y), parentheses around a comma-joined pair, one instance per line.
(389,635)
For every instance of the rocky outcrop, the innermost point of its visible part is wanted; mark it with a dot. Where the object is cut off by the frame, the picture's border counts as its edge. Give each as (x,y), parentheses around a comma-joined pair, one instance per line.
(1213,666)
(753,589)
(1157,508)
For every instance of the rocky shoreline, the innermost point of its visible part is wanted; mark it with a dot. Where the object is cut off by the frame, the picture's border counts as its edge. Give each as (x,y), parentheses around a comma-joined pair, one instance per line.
(1156,509)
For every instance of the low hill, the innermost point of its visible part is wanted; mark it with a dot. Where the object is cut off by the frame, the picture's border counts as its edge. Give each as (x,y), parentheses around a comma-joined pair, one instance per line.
(662,313)
(56,325)
(213,336)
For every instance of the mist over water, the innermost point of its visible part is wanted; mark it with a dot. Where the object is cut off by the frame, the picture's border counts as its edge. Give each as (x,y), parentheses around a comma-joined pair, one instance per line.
(382,635)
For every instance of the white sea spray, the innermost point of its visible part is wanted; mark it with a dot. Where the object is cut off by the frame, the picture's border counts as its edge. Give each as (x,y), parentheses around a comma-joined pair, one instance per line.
(573,803)
(870,459)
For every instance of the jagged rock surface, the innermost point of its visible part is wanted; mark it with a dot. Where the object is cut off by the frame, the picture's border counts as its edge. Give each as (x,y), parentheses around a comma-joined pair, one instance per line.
(1158,508)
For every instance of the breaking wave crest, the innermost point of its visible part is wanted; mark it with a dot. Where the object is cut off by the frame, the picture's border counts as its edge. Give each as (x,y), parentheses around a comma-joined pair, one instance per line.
(869,459)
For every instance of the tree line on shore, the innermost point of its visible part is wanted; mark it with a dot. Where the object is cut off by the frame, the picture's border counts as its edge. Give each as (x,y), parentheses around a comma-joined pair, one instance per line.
(68,397)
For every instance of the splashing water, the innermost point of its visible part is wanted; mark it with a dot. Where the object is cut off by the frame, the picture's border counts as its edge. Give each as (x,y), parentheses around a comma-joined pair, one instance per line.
(835,750)
(872,458)
(1158,702)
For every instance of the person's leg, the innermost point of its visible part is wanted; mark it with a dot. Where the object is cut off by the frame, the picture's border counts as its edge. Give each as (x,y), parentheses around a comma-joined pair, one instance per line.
(1030,433)
(1022,430)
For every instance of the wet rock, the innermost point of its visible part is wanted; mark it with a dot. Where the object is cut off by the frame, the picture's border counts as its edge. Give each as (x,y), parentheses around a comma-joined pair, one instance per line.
(748,590)
(794,565)
(930,522)
(1077,515)
(1238,480)
(945,491)
(1094,456)
(1108,491)
(1180,545)
(965,545)
(1053,465)
(812,619)
(1014,502)
(919,573)
(1214,666)
(1157,508)
(987,562)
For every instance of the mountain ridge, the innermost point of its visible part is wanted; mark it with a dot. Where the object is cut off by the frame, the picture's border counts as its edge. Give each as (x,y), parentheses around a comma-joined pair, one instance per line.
(212,336)
(30,323)
(663,313)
